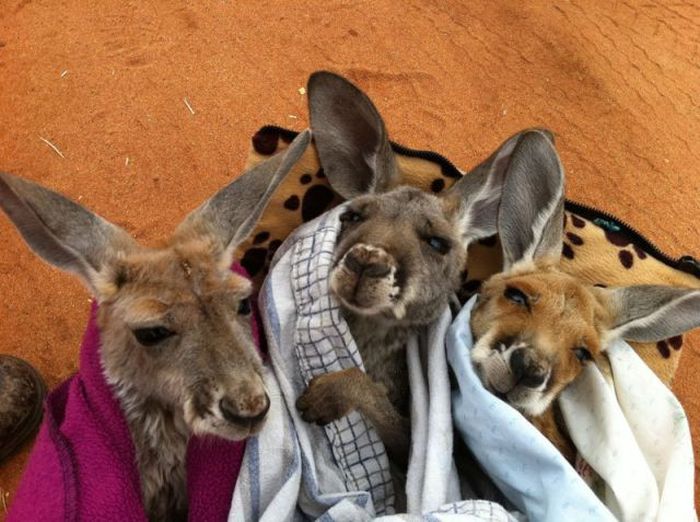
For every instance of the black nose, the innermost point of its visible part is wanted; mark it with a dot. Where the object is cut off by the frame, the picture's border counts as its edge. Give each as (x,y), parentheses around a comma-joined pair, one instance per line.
(526,370)
(231,413)
(356,265)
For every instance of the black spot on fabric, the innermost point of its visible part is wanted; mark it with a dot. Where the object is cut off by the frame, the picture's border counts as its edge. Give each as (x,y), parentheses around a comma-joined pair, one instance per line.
(254,260)
(265,141)
(320,174)
(641,254)
(471,287)
(437,185)
(305,179)
(316,201)
(489,241)
(449,172)
(626,258)
(292,203)
(261,238)
(576,240)
(274,245)
(577,221)
(663,349)
(567,251)
(617,239)
(676,342)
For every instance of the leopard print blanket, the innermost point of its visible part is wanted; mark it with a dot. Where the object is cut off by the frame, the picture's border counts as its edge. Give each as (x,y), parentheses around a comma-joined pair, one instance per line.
(598,248)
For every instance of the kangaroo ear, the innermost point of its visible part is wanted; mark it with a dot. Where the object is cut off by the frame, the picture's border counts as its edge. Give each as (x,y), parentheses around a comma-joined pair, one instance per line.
(231,214)
(60,231)
(649,313)
(531,215)
(350,137)
(518,193)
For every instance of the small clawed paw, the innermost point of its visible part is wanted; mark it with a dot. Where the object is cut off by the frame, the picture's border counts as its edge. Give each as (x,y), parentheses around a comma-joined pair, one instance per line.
(321,403)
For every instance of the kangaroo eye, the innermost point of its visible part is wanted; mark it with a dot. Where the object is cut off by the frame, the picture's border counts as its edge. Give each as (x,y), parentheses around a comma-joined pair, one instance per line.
(439,244)
(517,296)
(582,354)
(350,216)
(244,307)
(152,336)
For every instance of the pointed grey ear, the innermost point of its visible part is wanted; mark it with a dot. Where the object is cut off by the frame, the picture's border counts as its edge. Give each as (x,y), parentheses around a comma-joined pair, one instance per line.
(518,193)
(477,195)
(60,231)
(232,213)
(531,215)
(350,137)
(650,313)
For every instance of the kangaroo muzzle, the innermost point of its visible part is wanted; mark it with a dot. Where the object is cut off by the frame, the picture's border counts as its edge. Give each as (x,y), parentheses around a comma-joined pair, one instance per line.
(365,279)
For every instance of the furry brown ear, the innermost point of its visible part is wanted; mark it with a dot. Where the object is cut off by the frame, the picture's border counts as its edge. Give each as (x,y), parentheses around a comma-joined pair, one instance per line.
(350,137)
(231,214)
(60,231)
(517,192)
(650,313)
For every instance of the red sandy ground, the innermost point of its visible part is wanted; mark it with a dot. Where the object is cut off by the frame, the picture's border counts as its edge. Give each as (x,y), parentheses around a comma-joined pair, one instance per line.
(105,81)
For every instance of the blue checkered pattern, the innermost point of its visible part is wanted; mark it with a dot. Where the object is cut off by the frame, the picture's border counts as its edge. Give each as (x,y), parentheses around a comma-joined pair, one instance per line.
(323,344)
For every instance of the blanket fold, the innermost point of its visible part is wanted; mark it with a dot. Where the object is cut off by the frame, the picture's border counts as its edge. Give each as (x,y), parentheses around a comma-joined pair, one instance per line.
(633,433)
(83,466)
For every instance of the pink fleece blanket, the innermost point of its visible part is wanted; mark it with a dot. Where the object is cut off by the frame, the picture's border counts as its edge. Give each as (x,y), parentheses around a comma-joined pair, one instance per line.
(82,467)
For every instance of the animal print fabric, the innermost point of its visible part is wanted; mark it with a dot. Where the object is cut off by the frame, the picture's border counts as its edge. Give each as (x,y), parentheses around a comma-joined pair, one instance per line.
(595,250)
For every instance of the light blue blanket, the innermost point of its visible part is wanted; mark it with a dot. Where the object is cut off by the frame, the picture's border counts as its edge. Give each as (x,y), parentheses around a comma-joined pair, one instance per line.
(519,459)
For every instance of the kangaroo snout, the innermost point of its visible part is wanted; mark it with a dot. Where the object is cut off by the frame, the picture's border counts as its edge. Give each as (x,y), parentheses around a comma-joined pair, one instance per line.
(527,370)
(511,364)
(366,262)
(365,279)
(245,411)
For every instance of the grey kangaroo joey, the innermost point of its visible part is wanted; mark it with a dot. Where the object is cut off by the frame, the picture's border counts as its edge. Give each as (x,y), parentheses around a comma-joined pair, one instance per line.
(400,252)
(176,339)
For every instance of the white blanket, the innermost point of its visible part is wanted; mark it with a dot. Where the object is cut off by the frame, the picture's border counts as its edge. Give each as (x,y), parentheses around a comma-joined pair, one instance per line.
(294,470)
(634,434)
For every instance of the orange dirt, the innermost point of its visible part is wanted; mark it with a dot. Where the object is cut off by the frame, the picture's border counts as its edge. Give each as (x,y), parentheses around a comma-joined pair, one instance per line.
(618,82)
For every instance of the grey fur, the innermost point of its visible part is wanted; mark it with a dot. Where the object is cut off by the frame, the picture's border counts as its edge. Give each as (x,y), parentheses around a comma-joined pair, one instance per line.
(344,120)
(232,213)
(205,377)
(650,313)
(530,220)
(59,230)
(393,239)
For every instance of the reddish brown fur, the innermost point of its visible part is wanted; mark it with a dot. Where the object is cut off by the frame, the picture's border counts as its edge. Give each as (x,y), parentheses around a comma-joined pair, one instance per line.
(564,314)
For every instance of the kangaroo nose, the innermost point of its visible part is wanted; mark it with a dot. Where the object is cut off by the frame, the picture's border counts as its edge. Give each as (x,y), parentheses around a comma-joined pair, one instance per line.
(233,414)
(362,267)
(526,371)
